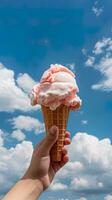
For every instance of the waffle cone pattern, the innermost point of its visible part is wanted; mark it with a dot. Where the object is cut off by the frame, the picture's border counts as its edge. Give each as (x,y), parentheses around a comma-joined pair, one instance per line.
(58,117)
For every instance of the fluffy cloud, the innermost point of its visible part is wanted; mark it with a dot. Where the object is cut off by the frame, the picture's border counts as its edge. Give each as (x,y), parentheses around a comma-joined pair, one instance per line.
(96,9)
(108,197)
(101,45)
(13,163)
(12,97)
(88,172)
(90,168)
(27,123)
(1,138)
(18,135)
(84,122)
(84,51)
(79,183)
(102,52)
(82,198)
(105,68)
(58,186)
(25,82)
(71,66)
(53,198)
(90,61)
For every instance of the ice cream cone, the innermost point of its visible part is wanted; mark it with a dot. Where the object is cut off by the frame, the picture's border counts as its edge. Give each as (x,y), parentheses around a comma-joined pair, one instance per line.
(58,117)
(57,95)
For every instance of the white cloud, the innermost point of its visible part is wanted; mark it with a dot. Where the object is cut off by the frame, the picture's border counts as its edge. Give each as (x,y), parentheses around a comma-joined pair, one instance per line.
(1,138)
(13,163)
(90,148)
(102,48)
(90,61)
(108,197)
(97,10)
(84,122)
(105,68)
(90,166)
(74,167)
(101,45)
(25,82)
(82,198)
(71,66)
(27,123)
(84,51)
(53,198)
(79,184)
(12,97)
(18,135)
(58,186)
(88,172)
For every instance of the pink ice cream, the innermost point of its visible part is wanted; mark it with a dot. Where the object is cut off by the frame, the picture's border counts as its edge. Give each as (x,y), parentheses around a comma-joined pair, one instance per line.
(57,86)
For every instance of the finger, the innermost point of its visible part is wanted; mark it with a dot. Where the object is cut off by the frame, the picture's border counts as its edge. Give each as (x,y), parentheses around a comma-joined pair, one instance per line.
(64,151)
(56,166)
(65,159)
(67,141)
(39,144)
(49,141)
(67,134)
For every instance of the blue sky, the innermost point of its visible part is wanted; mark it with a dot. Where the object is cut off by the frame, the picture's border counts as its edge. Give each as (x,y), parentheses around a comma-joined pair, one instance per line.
(78,35)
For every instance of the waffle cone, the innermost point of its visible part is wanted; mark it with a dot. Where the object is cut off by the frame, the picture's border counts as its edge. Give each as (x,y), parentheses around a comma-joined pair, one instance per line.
(58,117)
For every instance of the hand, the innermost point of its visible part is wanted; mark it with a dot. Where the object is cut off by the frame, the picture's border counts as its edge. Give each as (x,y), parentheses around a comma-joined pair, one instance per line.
(42,167)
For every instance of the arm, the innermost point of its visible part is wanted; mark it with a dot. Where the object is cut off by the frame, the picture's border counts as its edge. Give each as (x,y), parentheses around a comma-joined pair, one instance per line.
(41,170)
(25,189)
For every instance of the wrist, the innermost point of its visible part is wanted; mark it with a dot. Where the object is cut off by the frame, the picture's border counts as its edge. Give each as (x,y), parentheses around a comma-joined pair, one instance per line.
(36,184)
(43,184)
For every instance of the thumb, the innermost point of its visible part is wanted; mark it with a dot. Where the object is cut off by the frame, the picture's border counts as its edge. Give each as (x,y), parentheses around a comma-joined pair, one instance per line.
(49,141)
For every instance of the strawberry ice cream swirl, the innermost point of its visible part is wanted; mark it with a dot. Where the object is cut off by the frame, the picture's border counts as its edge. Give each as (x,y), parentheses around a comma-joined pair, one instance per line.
(57,86)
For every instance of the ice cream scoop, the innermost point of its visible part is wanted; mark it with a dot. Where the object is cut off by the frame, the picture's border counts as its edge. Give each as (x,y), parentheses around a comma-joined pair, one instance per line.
(57,86)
